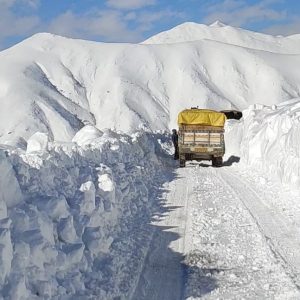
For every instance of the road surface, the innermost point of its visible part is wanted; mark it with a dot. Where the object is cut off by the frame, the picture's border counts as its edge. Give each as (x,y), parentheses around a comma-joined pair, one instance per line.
(222,236)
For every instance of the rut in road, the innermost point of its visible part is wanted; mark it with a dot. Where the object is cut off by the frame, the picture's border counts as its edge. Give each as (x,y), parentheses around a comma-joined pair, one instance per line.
(163,276)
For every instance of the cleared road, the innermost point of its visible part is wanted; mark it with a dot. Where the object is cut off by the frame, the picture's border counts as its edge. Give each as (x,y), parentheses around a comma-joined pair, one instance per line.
(163,273)
(219,239)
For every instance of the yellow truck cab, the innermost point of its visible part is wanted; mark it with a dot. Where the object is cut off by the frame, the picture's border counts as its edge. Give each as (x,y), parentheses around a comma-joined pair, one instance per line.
(201,136)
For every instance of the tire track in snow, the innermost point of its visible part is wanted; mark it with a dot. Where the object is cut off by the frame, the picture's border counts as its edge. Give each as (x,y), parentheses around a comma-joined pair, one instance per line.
(224,203)
(163,274)
(281,235)
(229,257)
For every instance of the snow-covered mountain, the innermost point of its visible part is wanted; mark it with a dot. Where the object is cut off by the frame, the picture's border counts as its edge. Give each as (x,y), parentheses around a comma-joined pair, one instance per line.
(188,32)
(53,84)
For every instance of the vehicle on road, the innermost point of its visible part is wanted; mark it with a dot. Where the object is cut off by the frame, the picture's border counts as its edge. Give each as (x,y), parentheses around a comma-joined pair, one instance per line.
(201,136)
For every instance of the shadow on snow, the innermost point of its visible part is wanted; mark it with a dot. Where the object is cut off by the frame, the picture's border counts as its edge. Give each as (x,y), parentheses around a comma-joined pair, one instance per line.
(165,276)
(206,164)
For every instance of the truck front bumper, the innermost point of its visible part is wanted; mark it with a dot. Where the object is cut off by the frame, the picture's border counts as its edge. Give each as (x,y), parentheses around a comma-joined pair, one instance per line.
(196,152)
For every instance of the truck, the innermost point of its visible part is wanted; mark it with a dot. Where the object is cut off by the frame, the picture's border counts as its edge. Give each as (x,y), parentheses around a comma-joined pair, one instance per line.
(201,136)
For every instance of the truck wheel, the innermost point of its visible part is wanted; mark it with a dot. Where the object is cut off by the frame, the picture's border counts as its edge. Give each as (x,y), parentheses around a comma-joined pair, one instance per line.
(217,161)
(182,161)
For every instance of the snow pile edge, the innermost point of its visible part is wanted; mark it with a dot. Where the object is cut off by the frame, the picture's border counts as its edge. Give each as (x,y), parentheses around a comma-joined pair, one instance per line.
(56,238)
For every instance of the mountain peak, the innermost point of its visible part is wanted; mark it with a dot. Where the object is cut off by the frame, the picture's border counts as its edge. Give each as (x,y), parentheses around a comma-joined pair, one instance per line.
(218,24)
(223,33)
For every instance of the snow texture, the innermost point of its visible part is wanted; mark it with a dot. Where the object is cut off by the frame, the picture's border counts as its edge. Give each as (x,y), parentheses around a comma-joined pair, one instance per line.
(58,85)
(268,138)
(74,195)
(65,208)
(234,249)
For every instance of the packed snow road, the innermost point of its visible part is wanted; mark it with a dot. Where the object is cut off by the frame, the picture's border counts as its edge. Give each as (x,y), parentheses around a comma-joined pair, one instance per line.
(223,236)
(162,277)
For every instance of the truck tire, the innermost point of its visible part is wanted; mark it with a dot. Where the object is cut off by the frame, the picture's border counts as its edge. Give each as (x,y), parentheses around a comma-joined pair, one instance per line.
(217,161)
(182,161)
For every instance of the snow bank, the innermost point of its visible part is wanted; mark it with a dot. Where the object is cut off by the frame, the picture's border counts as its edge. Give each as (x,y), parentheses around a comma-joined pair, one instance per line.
(55,237)
(268,137)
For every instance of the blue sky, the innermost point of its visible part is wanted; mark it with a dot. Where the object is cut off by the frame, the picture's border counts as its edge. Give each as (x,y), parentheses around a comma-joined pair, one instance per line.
(136,20)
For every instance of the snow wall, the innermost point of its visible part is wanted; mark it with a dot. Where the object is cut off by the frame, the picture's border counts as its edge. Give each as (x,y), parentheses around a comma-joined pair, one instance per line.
(268,138)
(63,206)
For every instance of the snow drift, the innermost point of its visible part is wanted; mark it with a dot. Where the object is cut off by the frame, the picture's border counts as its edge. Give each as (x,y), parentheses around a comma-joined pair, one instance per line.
(57,85)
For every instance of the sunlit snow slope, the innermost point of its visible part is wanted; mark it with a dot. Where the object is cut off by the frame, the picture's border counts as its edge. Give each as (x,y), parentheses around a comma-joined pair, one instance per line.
(188,32)
(53,84)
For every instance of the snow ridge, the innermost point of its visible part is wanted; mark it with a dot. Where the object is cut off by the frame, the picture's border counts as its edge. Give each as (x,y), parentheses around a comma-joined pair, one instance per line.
(217,31)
